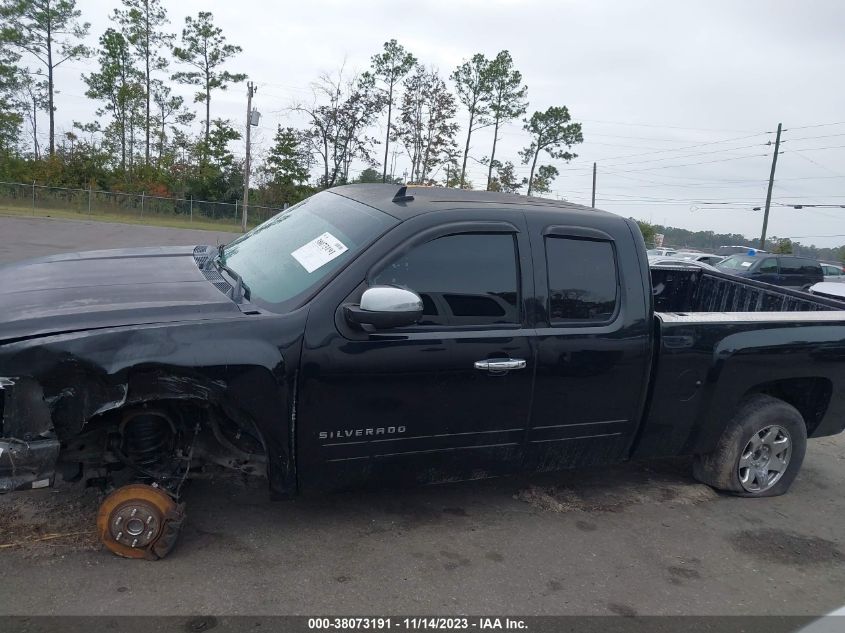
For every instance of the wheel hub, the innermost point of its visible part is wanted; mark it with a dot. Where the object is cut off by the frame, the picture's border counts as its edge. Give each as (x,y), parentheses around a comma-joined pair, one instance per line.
(135,524)
(139,521)
(765,458)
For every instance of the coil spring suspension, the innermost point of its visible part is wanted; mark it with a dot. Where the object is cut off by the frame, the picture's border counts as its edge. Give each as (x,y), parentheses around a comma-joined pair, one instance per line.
(147,438)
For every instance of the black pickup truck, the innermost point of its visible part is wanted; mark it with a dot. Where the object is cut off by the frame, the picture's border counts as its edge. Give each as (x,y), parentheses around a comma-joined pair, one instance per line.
(369,335)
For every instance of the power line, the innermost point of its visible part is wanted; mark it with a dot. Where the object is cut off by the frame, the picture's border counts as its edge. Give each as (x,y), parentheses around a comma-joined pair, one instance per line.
(734,184)
(814,206)
(717,151)
(662,125)
(706,162)
(805,138)
(655,149)
(806,127)
(679,149)
(805,196)
(640,138)
(813,149)
(810,160)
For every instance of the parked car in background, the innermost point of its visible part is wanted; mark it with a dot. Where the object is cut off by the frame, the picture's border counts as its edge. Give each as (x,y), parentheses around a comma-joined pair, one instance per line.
(724,251)
(833,272)
(829,290)
(676,261)
(661,252)
(780,270)
(707,258)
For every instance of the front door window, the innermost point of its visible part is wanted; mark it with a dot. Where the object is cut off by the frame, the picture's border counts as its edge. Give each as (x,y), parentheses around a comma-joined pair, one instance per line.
(466,279)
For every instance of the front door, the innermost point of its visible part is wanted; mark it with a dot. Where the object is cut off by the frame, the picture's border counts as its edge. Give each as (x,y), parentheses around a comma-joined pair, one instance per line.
(767,271)
(445,399)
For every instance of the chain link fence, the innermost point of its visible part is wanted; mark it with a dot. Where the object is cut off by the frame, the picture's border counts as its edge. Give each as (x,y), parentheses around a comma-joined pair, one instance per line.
(41,200)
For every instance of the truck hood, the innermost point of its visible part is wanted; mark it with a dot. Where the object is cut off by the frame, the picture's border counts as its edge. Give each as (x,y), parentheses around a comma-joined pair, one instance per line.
(108,288)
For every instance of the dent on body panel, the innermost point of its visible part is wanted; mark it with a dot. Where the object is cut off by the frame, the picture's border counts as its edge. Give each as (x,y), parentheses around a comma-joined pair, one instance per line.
(244,369)
(83,375)
(28,453)
(25,412)
(56,391)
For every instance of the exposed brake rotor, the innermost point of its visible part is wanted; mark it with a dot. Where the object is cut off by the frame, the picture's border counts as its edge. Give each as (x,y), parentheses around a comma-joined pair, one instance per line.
(139,521)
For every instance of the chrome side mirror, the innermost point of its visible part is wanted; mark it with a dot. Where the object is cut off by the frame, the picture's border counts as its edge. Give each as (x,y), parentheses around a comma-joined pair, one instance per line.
(385,307)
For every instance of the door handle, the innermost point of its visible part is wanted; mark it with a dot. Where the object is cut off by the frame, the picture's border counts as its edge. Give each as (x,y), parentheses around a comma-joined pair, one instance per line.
(497,365)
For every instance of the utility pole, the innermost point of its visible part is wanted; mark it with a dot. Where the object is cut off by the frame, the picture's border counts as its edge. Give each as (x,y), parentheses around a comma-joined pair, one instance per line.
(769,192)
(395,153)
(594,186)
(250,90)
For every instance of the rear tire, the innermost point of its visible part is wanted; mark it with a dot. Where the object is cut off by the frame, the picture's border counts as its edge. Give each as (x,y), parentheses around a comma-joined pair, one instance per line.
(760,451)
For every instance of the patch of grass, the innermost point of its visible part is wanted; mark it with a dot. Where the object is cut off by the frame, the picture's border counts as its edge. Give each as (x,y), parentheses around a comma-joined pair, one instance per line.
(148,219)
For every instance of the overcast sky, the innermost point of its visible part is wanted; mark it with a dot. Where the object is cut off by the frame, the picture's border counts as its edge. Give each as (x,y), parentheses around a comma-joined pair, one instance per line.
(677,99)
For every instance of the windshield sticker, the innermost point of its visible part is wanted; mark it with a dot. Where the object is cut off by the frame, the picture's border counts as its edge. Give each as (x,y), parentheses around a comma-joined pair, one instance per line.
(744,265)
(319,251)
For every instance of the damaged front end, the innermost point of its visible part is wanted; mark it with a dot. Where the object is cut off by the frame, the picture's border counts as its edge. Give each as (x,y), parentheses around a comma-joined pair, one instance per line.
(29,450)
(148,425)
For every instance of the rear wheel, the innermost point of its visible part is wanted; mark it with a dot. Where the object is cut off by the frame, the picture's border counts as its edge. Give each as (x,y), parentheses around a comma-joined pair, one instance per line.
(760,452)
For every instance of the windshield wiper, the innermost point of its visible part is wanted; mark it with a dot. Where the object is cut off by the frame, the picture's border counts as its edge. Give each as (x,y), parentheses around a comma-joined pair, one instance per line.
(240,290)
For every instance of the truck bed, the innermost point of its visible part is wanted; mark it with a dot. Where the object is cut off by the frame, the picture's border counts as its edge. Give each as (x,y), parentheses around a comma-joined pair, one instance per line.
(680,288)
(720,338)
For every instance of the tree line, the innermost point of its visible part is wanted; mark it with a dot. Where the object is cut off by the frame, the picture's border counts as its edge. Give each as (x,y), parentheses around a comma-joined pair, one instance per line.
(146,138)
(709,241)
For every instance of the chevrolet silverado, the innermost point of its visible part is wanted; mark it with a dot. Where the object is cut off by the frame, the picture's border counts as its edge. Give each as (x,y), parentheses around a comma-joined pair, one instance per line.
(375,336)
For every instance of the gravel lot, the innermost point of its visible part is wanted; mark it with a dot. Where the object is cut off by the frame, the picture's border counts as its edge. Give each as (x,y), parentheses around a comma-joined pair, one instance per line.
(630,539)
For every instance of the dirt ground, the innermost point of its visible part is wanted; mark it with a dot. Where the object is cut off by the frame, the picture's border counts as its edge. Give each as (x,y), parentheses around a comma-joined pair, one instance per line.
(632,539)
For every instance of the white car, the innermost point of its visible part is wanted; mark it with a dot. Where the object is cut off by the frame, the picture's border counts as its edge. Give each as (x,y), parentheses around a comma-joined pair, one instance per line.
(707,258)
(833,272)
(661,252)
(675,261)
(829,289)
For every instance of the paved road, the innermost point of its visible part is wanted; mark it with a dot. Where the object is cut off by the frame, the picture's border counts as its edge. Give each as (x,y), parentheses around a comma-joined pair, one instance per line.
(21,238)
(631,539)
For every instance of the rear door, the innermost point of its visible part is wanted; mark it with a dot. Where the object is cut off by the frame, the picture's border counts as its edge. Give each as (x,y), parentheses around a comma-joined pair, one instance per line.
(798,272)
(812,272)
(594,346)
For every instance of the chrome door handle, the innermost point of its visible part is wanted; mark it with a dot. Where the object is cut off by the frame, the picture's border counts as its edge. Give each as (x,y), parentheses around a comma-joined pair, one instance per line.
(500,364)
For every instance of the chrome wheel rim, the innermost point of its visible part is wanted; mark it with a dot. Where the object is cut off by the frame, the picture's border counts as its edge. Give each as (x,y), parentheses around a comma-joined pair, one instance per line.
(765,458)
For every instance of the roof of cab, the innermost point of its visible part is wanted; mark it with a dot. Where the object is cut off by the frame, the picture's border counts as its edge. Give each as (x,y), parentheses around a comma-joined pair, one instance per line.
(427,199)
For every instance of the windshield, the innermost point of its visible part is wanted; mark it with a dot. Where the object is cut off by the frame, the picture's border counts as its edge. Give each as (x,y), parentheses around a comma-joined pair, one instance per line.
(737,262)
(285,258)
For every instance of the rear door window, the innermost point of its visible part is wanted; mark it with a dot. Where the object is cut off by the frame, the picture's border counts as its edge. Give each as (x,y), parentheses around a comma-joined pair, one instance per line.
(583,280)
(799,266)
(809,267)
